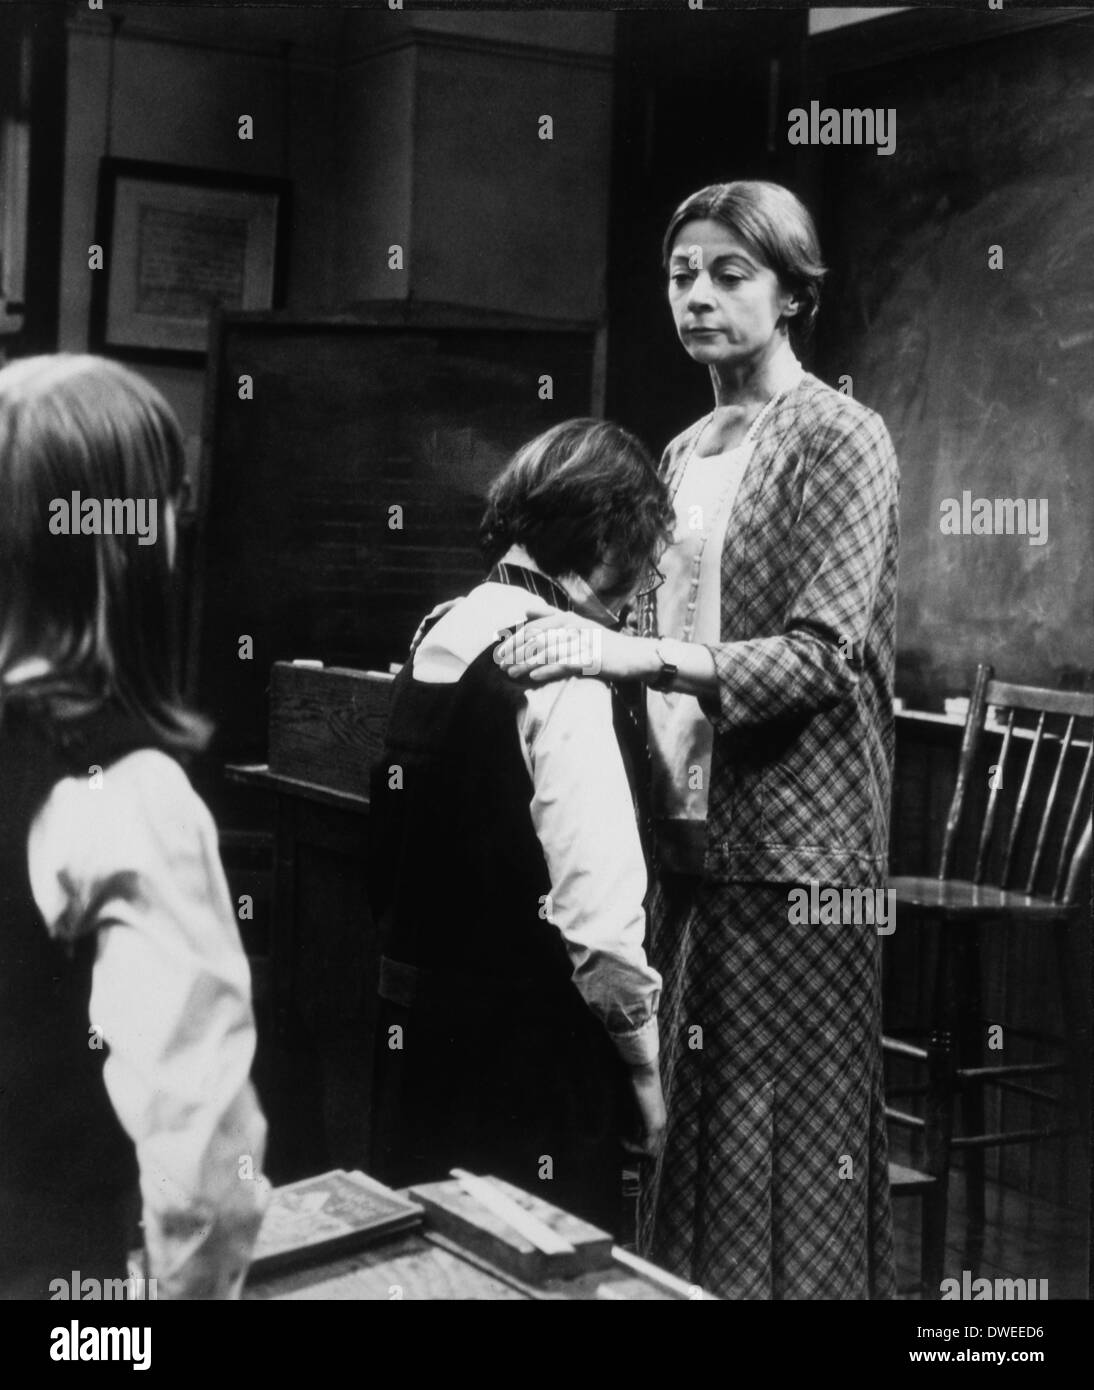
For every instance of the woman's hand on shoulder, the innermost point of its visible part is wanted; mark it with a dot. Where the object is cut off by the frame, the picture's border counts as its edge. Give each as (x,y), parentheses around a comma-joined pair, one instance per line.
(566,644)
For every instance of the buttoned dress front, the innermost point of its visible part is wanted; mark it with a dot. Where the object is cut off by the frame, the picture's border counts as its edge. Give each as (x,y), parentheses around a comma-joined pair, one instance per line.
(773,1180)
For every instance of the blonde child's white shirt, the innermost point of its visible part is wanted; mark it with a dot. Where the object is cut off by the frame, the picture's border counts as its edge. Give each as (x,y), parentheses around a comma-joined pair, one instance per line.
(581,810)
(136,862)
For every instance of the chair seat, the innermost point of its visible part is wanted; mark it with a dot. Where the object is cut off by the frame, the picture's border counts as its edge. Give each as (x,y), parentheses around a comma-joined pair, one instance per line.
(956,897)
(904,1181)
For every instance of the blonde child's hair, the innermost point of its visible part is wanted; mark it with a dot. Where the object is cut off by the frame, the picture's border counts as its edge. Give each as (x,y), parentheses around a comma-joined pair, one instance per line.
(100,609)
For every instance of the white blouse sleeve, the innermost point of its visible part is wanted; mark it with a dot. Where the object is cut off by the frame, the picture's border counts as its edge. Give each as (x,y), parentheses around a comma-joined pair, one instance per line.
(584,817)
(136,861)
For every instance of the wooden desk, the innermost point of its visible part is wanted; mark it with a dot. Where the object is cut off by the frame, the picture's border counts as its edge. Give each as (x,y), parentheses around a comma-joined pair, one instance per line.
(424,1265)
(324,964)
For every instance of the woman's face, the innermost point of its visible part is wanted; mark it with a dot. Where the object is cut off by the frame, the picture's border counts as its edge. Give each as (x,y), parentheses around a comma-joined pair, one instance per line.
(726,302)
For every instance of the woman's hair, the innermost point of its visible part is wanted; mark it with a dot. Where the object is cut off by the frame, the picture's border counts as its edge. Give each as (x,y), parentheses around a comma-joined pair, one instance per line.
(775,224)
(99,608)
(581,493)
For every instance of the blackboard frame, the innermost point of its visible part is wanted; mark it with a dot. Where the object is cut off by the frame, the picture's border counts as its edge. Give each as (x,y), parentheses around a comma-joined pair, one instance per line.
(400,315)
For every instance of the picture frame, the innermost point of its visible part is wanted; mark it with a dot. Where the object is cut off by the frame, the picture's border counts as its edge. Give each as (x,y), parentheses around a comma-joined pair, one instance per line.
(178,243)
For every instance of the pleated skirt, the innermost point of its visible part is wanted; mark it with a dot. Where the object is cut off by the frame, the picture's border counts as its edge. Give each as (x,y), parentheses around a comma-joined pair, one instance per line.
(773,1183)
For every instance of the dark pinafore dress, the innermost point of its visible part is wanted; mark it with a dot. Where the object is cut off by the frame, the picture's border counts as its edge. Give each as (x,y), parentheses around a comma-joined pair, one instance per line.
(487,1058)
(68,1172)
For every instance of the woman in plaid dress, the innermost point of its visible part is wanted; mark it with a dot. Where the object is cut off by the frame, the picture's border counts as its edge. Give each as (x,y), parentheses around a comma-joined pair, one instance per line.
(767,643)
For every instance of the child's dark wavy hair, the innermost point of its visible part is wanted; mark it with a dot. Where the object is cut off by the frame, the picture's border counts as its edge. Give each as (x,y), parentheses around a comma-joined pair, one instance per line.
(99,608)
(581,493)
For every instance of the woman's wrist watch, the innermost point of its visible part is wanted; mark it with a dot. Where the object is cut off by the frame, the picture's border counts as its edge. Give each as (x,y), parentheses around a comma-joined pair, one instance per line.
(665,679)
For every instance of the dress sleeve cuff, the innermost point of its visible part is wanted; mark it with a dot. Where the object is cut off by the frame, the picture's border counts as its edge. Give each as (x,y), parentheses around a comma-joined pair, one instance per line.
(714,703)
(640,1047)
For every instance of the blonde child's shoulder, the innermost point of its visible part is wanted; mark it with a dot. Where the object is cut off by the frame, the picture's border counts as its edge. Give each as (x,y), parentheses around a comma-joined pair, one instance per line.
(129,818)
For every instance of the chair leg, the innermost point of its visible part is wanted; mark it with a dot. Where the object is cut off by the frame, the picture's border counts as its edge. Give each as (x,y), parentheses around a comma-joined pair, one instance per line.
(970,1053)
(933,1238)
(938,1134)
(1076,1077)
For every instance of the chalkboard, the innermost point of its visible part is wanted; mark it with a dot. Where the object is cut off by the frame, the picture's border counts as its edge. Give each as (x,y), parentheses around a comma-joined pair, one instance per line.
(984,376)
(344,499)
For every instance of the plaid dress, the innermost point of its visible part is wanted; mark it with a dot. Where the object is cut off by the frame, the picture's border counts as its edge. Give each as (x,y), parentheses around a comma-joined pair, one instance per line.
(773,1181)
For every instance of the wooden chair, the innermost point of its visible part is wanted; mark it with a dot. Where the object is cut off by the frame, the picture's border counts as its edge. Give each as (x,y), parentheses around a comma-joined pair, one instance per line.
(1054,840)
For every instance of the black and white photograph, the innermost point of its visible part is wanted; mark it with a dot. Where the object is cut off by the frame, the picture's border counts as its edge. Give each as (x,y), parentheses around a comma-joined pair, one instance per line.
(546,666)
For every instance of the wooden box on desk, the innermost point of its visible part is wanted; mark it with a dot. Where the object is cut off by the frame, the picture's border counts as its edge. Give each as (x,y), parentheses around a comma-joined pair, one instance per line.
(327,724)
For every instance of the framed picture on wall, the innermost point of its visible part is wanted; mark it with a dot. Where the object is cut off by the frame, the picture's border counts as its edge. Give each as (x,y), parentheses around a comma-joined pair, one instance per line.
(178,243)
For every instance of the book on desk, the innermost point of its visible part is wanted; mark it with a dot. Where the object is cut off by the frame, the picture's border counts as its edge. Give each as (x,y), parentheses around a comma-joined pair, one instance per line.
(328,1215)
(344,1235)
